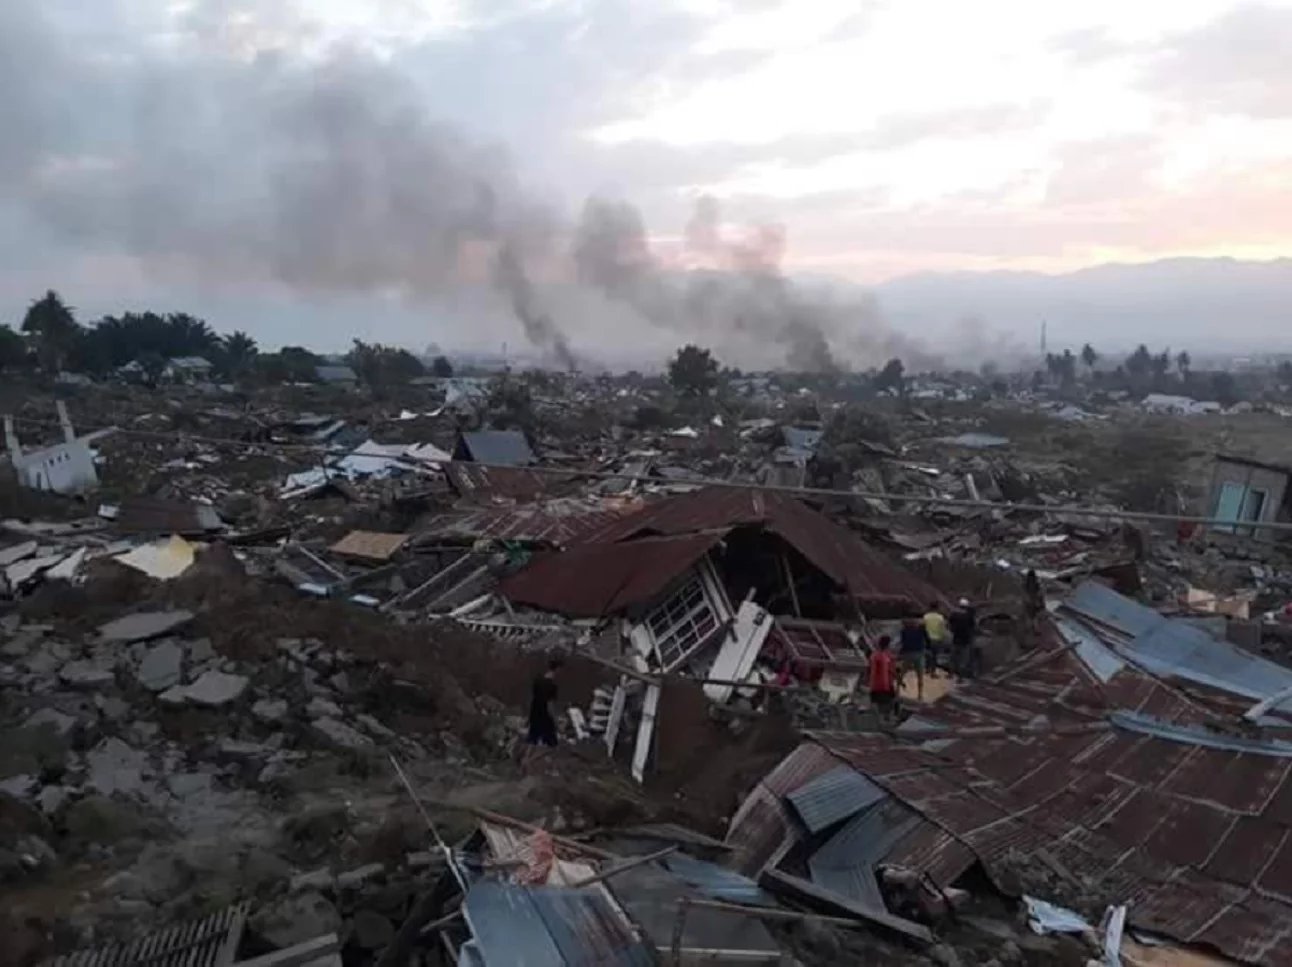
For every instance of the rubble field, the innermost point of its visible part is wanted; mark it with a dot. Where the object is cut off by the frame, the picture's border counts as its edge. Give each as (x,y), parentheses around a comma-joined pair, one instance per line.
(266,675)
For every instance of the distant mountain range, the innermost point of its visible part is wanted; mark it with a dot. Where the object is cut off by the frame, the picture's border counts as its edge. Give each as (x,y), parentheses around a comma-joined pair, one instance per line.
(1211,305)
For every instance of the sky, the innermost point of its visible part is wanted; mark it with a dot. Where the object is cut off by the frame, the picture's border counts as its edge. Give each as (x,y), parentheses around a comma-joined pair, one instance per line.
(227,153)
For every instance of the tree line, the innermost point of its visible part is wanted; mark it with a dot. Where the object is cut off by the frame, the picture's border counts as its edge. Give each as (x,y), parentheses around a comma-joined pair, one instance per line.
(51,339)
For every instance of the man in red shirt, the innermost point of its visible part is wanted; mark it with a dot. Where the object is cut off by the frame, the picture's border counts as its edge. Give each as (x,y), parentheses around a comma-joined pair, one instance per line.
(883,679)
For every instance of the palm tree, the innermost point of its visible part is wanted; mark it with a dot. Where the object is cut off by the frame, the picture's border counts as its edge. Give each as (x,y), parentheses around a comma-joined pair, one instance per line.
(239,350)
(52,324)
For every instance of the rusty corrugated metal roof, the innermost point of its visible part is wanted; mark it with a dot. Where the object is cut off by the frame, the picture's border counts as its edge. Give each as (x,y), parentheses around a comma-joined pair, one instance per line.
(474,480)
(1192,826)
(592,580)
(836,551)
(534,524)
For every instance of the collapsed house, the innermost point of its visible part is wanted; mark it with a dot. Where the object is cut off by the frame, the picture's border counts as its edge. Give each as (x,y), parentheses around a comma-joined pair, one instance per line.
(1130,759)
(1247,492)
(723,586)
(682,572)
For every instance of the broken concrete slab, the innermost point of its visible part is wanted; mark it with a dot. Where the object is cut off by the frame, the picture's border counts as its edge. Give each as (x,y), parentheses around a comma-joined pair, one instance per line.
(342,735)
(85,674)
(144,626)
(47,660)
(237,749)
(16,553)
(51,718)
(199,650)
(183,785)
(20,787)
(22,642)
(111,707)
(51,798)
(161,667)
(115,767)
(320,708)
(213,690)
(269,711)
(374,727)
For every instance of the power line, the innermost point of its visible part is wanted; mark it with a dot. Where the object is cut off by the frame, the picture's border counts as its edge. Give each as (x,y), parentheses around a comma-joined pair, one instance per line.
(1101,513)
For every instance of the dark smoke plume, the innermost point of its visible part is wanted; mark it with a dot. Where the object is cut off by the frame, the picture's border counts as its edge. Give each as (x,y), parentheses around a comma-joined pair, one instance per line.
(539,328)
(327,176)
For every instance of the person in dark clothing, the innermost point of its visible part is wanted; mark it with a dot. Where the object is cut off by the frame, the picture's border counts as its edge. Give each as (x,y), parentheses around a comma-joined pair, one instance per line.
(1033,596)
(964,628)
(915,649)
(542,718)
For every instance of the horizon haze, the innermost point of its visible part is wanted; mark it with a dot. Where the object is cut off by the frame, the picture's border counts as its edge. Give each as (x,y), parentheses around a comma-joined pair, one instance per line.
(812,187)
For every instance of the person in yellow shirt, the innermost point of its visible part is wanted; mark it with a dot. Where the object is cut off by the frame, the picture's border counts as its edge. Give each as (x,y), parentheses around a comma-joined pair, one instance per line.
(935,626)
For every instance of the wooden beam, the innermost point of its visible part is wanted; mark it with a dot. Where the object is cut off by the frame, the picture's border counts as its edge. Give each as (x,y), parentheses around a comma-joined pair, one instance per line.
(615,869)
(501,820)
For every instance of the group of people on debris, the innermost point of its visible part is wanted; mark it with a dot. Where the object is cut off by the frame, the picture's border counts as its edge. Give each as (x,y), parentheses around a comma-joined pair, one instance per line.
(925,643)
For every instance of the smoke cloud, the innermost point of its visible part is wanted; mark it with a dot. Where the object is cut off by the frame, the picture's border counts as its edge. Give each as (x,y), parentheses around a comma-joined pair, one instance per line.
(328,176)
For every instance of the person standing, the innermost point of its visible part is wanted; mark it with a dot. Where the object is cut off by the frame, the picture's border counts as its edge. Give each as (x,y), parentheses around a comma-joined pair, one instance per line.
(935,626)
(883,680)
(964,628)
(542,707)
(915,647)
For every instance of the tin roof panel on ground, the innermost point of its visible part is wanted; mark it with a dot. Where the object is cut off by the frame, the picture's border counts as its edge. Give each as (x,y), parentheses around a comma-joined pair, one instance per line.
(650,895)
(534,524)
(498,447)
(716,882)
(520,926)
(473,479)
(833,797)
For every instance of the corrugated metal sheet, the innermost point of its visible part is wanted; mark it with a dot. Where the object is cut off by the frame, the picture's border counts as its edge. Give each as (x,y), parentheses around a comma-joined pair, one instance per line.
(474,480)
(211,942)
(846,863)
(833,797)
(519,926)
(534,525)
(842,555)
(717,882)
(1135,722)
(1179,820)
(592,580)
(650,895)
(507,448)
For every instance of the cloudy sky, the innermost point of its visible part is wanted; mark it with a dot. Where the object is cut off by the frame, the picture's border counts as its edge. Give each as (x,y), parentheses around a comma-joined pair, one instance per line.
(150,144)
